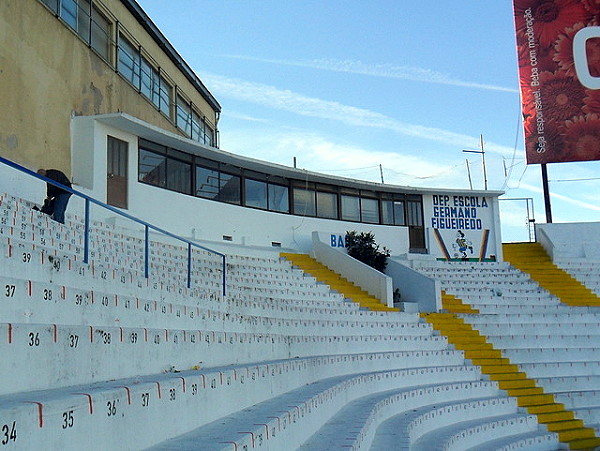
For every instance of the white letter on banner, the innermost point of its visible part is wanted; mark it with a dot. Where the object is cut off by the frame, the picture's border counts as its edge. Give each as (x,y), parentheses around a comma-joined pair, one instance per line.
(580,57)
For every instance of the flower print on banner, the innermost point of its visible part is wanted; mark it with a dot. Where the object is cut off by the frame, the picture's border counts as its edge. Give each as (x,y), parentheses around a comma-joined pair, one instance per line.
(562,97)
(582,138)
(550,147)
(593,7)
(592,102)
(560,114)
(551,17)
(564,52)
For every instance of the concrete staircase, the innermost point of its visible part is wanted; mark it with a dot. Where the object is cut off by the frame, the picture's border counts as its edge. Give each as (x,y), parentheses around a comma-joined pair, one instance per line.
(338,283)
(529,395)
(453,304)
(533,260)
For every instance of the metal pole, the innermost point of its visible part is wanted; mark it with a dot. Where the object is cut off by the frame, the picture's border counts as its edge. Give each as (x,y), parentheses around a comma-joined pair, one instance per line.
(86,233)
(483,160)
(224,276)
(469,173)
(547,204)
(189,266)
(146,251)
(381,172)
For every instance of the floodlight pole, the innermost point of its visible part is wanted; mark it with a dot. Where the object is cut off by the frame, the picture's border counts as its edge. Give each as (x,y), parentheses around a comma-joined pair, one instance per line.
(482,152)
(547,204)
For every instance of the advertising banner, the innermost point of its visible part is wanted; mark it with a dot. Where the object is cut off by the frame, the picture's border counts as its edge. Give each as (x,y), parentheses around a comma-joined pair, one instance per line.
(558,44)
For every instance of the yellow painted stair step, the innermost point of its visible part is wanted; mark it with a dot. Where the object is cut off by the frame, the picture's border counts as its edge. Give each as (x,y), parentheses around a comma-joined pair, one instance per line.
(585,444)
(534,400)
(543,408)
(565,425)
(525,391)
(575,434)
(560,415)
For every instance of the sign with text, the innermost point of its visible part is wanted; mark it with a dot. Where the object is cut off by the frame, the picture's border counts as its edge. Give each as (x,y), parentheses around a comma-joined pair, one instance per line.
(558,43)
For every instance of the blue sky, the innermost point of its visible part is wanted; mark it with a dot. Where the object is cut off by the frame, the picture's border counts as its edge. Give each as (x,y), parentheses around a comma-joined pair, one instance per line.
(345,86)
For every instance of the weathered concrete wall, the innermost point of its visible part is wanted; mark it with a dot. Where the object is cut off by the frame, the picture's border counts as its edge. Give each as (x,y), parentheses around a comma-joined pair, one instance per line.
(48,74)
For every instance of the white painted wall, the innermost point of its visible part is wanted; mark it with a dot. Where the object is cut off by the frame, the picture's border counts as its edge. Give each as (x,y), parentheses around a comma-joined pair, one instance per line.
(570,240)
(369,279)
(461,220)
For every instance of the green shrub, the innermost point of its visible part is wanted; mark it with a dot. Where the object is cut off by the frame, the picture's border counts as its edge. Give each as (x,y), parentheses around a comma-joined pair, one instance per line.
(362,246)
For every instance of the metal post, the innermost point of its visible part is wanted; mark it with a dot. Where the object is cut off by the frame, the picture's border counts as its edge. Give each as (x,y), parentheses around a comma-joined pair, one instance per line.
(189,266)
(547,204)
(146,251)
(86,233)
(224,276)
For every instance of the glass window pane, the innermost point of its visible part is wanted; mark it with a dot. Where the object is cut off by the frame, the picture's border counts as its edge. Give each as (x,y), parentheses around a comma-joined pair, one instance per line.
(152,168)
(369,210)
(52,4)
(327,205)
(230,189)
(399,217)
(387,212)
(68,12)
(184,117)
(100,34)
(179,176)
(129,64)
(279,199)
(196,133)
(256,194)
(83,19)
(207,182)
(146,79)
(165,97)
(304,202)
(415,216)
(350,208)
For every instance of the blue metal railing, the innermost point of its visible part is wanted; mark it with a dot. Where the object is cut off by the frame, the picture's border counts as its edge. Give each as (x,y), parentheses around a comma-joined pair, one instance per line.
(147,227)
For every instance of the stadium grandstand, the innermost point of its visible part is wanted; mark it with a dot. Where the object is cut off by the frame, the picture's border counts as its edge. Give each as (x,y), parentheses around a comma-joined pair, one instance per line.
(195,299)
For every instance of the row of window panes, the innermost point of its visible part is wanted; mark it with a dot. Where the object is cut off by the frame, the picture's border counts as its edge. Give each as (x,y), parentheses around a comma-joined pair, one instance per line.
(95,29)
(209,181)
(85,19)
(190,122)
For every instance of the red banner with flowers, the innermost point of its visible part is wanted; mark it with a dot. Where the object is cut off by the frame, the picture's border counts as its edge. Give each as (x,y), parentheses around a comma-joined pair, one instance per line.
(558,43)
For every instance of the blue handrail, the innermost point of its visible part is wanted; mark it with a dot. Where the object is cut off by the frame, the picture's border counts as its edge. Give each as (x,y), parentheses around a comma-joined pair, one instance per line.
(147,226)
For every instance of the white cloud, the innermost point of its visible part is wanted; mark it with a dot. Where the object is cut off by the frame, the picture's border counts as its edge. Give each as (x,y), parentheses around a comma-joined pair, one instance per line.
(290,101)
(378,70)
(319,154)
(561,197)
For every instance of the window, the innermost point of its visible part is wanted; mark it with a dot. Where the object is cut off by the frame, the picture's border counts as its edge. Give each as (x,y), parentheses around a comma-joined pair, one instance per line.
(143,76)
(160,166)
(279,199)
(207,182)
(387,212)
(415,213)
(86,20)
(179,176)
(327,205)
(256,194)
(192,124)
(229,189)
(152,168)
(399,215)
(100,35)
(350,208)
(369,210)
(304,202)
(129,62)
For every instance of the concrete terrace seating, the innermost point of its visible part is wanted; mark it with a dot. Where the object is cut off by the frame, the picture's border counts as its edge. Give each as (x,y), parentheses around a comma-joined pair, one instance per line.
(584,270)
(96,356)
(554,344)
